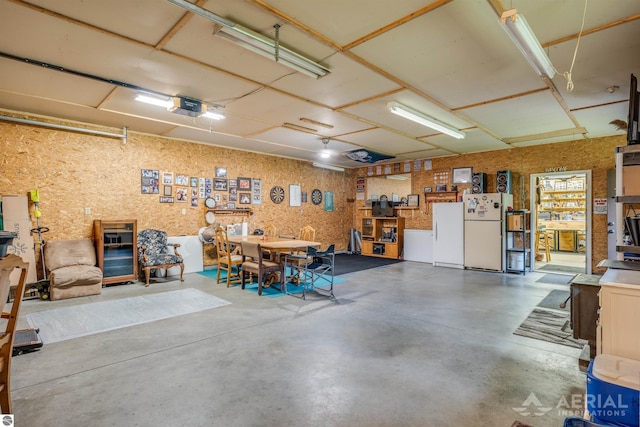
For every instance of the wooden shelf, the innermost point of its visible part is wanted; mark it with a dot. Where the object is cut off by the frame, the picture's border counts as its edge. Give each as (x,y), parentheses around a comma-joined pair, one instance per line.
(440,197)
(231,211)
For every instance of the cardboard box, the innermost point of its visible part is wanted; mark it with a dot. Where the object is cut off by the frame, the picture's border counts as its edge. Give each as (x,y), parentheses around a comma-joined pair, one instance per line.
(631,180)
(15,208)
(15,215)
(514,222)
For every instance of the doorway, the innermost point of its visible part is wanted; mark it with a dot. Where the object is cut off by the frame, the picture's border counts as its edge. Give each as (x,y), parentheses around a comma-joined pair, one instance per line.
(561,222)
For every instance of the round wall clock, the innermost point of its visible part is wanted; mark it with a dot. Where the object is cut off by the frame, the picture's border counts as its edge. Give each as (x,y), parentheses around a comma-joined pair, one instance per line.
(210,202)
(277,194)
(316,196)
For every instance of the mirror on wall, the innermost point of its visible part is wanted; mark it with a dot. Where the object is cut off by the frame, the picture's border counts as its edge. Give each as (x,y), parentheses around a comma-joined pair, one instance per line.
(394,187)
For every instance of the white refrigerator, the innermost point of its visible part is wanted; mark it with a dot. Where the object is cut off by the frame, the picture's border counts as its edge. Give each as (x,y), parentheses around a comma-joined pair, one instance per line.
(448,235)
(484,234)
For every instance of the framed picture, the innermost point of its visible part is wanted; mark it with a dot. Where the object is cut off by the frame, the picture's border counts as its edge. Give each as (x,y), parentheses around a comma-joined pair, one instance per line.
(413,200)
(221,172)
(233,182)
(462,175)
(194,181)
(168,190)
(244,183)
(441,187)
(427,189)
(181,194)
(220,184)
(295,196)
(245,198)
(182,180)
(231,205)
(150,183)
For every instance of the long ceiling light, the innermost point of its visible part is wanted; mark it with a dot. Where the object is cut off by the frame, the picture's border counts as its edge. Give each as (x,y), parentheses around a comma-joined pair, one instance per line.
(198,109)
(418,117)
(256,42)
(517,28)
(330,167)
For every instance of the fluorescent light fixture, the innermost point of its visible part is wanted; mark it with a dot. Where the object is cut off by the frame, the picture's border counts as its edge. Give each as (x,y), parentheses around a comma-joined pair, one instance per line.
(165,102)
(398,177)
(517,28)
(212,115)
(256,42)
(423,119)
(330,167)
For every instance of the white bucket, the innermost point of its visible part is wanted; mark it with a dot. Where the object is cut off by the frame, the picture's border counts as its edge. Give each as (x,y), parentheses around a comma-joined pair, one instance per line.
(516,261)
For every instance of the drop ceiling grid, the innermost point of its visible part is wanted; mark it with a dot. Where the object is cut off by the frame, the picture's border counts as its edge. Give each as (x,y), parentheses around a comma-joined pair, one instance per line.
(526,115)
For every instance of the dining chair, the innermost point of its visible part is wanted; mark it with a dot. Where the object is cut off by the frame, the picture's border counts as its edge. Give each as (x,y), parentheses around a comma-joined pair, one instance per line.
(297,259)
(316,270)
(270,230)
(227,260)
(7,265)
(254,263)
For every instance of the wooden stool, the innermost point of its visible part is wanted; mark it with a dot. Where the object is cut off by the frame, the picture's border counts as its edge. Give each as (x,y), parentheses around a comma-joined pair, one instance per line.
(542,237)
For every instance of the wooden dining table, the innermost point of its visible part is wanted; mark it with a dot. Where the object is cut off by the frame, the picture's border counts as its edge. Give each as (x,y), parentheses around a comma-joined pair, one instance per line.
(276,245)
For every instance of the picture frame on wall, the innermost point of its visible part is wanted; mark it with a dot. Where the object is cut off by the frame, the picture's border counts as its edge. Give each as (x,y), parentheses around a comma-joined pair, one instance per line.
(244,183)
(462,175)
(441,188)
(413,200)
(245,198)
(220,184)
(427,189)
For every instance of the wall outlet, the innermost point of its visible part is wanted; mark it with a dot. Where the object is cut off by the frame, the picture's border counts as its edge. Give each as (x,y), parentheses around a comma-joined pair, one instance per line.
(184,211)
(87,211)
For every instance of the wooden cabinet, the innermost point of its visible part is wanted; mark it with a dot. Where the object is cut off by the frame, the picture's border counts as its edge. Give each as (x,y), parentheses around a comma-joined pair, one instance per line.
(117,250)
(518,248)
(382,237)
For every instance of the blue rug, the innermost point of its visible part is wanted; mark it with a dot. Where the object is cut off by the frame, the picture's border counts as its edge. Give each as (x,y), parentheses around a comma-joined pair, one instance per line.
(272,291)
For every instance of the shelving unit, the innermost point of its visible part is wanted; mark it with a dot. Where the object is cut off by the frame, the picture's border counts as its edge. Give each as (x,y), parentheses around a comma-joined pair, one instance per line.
(117,250)
(562,210)
(382,237)
(627,196)
(518,248)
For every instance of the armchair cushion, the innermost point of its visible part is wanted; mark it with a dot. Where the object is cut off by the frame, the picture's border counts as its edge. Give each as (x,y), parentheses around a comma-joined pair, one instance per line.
(72,269)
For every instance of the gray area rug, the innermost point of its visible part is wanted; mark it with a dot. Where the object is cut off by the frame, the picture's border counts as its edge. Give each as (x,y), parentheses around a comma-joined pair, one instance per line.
(554,299)
(555,279)
(86,319)
(561,268)
(546,325)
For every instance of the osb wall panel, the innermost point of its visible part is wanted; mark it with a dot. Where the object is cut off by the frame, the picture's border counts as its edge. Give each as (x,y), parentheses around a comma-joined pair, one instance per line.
(74,171)
(596,155)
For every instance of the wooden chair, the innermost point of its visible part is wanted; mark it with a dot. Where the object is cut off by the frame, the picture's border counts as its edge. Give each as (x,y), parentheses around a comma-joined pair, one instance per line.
(270,230)
(153,252)
(543,241)
(255,264)
(7,265)
(307,233)
(227,259)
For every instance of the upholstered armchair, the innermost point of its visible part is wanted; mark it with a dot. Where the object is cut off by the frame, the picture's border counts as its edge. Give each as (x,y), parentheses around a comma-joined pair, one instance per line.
(72,269)
(153,253)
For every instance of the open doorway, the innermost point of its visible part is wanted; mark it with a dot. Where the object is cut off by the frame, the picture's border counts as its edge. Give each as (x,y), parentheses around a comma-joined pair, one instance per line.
(561,222)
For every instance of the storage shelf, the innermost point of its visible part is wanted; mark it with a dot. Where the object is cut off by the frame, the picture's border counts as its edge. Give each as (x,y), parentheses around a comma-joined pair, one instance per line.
(378,229)
(116,249)
(518,240)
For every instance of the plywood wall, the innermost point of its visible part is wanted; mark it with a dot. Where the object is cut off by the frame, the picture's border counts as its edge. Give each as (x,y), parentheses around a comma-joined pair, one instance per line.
(596,155)
(76,171)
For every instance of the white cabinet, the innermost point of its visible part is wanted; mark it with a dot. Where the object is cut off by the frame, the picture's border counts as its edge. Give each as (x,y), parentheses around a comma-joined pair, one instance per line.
(418,245)
(619,322)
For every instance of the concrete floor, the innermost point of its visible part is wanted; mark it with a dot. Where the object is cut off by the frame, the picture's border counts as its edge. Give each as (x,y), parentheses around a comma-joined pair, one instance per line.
(404,345)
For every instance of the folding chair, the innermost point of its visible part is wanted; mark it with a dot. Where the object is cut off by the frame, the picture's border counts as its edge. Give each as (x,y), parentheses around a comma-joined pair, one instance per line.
(316,271)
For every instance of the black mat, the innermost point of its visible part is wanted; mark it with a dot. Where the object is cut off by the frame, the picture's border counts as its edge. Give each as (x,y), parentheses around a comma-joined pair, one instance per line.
(555,279)
(349,263)
(547,325)
(561,269)
(554,299)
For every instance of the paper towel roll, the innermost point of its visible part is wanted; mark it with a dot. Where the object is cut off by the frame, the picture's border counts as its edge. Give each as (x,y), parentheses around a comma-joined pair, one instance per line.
(245,229)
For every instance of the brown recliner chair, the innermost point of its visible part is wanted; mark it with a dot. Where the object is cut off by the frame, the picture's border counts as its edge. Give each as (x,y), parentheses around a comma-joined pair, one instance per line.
(72,269)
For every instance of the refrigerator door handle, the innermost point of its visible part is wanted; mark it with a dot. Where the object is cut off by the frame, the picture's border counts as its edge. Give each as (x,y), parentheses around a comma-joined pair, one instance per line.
(435,232)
